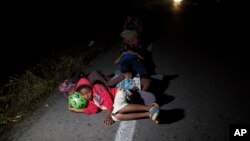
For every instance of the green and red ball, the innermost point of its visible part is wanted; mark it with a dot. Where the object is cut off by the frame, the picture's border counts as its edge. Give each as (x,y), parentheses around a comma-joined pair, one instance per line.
(76,101)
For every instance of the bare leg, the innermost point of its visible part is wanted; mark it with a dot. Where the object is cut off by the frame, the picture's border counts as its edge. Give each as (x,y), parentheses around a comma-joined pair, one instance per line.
(96,76)
(131,108)
(132,116)
(135,111)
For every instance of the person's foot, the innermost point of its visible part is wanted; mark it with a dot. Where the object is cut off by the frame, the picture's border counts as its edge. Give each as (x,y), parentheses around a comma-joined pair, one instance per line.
(155,105)
(154,112)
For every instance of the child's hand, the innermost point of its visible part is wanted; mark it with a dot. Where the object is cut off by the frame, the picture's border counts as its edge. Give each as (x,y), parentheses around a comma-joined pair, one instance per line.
(108,120)
(75,110)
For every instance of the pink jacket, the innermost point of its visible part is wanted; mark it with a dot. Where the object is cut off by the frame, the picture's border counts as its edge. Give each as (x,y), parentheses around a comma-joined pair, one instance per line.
(103,97)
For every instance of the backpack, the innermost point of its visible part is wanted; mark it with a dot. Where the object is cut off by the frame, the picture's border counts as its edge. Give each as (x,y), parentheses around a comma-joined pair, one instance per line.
(66,87)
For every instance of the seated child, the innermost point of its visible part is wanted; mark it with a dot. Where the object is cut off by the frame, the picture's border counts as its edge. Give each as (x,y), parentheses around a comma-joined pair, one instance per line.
(130,65)
(130,40)
(130,61)
(131,33)
(115,102)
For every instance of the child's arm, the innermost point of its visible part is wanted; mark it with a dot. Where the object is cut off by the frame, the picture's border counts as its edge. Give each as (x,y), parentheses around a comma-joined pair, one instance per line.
(114,81)
(108,119)
(107,102)
(91,109)
(139,56)
(107,98)
(75,110)
(135,53)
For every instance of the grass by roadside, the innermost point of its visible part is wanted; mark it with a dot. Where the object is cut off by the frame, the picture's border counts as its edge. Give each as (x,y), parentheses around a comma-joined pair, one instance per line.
(23,93)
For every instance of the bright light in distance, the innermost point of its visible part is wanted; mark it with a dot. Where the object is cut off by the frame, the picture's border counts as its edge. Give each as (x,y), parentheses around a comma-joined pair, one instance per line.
(177,3)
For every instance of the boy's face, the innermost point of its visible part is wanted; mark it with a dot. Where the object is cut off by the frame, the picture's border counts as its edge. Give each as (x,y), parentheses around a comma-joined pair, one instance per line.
(86,93)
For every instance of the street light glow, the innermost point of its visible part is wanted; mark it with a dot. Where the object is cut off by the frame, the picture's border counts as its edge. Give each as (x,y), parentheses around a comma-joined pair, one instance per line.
(177,1)
(176,4)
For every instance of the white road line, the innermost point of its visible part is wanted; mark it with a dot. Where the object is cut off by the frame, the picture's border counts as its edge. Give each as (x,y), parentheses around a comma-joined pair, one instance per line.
(126,131)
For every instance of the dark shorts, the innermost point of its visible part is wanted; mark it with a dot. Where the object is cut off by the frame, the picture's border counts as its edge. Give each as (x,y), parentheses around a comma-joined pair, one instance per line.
(134,66)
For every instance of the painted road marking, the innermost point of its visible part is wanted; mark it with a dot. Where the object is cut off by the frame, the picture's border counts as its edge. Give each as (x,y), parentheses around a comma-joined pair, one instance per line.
(126,131)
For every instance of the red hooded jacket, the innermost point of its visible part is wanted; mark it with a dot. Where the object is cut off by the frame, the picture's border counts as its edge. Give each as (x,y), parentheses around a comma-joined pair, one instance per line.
(103,97)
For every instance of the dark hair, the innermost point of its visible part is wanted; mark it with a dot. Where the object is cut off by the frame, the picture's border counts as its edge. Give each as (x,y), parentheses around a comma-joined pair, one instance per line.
(134,23)
(83,86)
